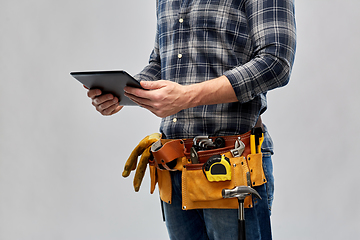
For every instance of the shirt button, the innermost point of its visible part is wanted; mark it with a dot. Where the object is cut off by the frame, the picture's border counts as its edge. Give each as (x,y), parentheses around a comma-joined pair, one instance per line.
(181,20)
(179,55)
(174,120)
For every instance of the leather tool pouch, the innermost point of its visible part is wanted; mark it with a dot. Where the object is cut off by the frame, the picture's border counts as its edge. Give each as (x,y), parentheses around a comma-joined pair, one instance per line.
(163,179)
(257,174)
(197,191)
(169,158)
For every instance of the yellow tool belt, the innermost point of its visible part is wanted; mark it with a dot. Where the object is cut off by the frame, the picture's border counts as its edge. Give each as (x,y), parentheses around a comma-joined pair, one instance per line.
(197,191)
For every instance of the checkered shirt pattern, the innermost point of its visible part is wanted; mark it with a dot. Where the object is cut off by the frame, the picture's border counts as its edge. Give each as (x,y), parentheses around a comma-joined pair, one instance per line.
(251,42)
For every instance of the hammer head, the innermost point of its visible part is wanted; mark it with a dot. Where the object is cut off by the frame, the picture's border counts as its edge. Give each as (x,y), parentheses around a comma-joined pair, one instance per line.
(240,192)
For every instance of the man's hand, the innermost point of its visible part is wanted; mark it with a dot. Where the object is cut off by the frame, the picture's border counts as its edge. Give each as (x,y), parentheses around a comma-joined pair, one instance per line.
(105,104)
(165,98)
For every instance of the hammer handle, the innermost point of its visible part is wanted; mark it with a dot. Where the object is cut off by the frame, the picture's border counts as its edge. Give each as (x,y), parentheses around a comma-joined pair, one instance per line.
(242,235)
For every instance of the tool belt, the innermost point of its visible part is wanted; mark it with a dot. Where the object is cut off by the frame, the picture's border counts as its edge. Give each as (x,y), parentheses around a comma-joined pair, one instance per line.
(230,161)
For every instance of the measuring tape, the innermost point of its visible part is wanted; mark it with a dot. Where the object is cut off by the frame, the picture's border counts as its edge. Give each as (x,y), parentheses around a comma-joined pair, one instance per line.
(217,168)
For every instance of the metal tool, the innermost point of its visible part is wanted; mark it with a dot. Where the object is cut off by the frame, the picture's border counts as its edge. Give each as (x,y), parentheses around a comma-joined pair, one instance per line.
(201,143)
(194,156)
(239,148)
(197,139)
(206,144)
(240,192)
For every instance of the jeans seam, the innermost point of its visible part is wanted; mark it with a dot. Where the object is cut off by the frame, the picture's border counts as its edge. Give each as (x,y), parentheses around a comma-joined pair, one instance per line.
(269,196)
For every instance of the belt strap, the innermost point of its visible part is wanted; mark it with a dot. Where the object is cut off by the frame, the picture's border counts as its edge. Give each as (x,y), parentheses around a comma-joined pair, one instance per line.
(167,150)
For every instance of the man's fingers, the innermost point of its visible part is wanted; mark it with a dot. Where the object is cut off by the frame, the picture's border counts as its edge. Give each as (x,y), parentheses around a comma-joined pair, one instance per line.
(106,107)
(107,98)
(106,104)
(148,85)
(92,93)
(135,98)
(151,85)
(110,110)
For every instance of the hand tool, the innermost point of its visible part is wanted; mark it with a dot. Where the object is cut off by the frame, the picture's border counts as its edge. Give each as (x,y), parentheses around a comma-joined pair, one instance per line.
(239,148)
(240,192)
(194,156)
(217,168)
(201,143)
(206,144)
(256,139)
(199,140)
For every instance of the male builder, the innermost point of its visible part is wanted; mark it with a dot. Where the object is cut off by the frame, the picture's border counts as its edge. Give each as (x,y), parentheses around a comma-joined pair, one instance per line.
(212,64)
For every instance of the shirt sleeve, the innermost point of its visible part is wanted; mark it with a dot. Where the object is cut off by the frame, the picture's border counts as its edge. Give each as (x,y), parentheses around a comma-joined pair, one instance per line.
(152,71)
(271,25)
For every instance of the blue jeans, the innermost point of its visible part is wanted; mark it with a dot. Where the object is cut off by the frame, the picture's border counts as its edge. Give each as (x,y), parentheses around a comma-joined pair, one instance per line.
(220,224)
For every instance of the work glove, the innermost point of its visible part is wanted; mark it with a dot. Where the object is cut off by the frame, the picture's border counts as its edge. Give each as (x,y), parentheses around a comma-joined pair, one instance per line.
(143,149)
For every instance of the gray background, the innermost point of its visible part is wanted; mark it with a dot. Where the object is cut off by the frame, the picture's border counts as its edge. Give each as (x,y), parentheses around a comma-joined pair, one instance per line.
(61,161)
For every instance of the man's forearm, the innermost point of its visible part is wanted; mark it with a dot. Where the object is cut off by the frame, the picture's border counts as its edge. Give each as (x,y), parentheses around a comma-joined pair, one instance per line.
(166,98)
(214,91)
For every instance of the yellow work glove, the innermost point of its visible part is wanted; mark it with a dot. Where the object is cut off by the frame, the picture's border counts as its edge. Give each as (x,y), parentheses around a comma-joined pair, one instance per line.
(143,149)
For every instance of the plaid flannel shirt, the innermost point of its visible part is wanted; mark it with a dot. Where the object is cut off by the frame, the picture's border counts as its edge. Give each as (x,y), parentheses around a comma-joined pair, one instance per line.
(251,42)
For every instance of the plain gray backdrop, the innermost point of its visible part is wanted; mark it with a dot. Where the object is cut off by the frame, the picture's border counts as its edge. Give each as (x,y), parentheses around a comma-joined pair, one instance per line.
(61,161)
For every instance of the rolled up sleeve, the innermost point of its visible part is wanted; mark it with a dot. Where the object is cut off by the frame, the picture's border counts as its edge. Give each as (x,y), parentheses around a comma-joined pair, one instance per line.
(272,29)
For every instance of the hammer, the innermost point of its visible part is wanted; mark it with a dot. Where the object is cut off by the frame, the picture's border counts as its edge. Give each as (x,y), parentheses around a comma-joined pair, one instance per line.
(240,192)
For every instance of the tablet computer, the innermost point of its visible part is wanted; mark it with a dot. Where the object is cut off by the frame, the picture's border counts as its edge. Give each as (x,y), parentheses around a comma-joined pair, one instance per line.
(109,82)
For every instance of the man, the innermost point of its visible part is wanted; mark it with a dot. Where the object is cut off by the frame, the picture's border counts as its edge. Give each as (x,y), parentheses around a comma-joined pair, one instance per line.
(212,64)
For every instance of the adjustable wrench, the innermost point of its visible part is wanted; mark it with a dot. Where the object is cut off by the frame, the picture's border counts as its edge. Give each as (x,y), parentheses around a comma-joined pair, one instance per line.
(239,148)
